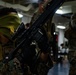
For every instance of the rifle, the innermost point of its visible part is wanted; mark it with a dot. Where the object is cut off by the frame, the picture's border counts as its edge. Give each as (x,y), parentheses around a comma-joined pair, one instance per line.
(27,35)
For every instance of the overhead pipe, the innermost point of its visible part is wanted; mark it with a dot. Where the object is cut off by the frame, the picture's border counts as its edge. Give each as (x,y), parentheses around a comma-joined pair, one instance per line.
(16,6)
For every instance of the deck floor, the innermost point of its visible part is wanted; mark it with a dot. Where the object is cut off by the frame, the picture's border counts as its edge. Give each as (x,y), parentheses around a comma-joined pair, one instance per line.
(60,69)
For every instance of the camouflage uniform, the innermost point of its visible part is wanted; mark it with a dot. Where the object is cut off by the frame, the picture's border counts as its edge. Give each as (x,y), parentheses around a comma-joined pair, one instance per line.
(9,21)
(41,67)
(73,66)
(71,36)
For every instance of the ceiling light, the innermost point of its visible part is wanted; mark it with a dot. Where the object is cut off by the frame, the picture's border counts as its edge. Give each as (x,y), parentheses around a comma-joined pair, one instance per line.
(61,7)
(61,27)
(59,11)
(20,15)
